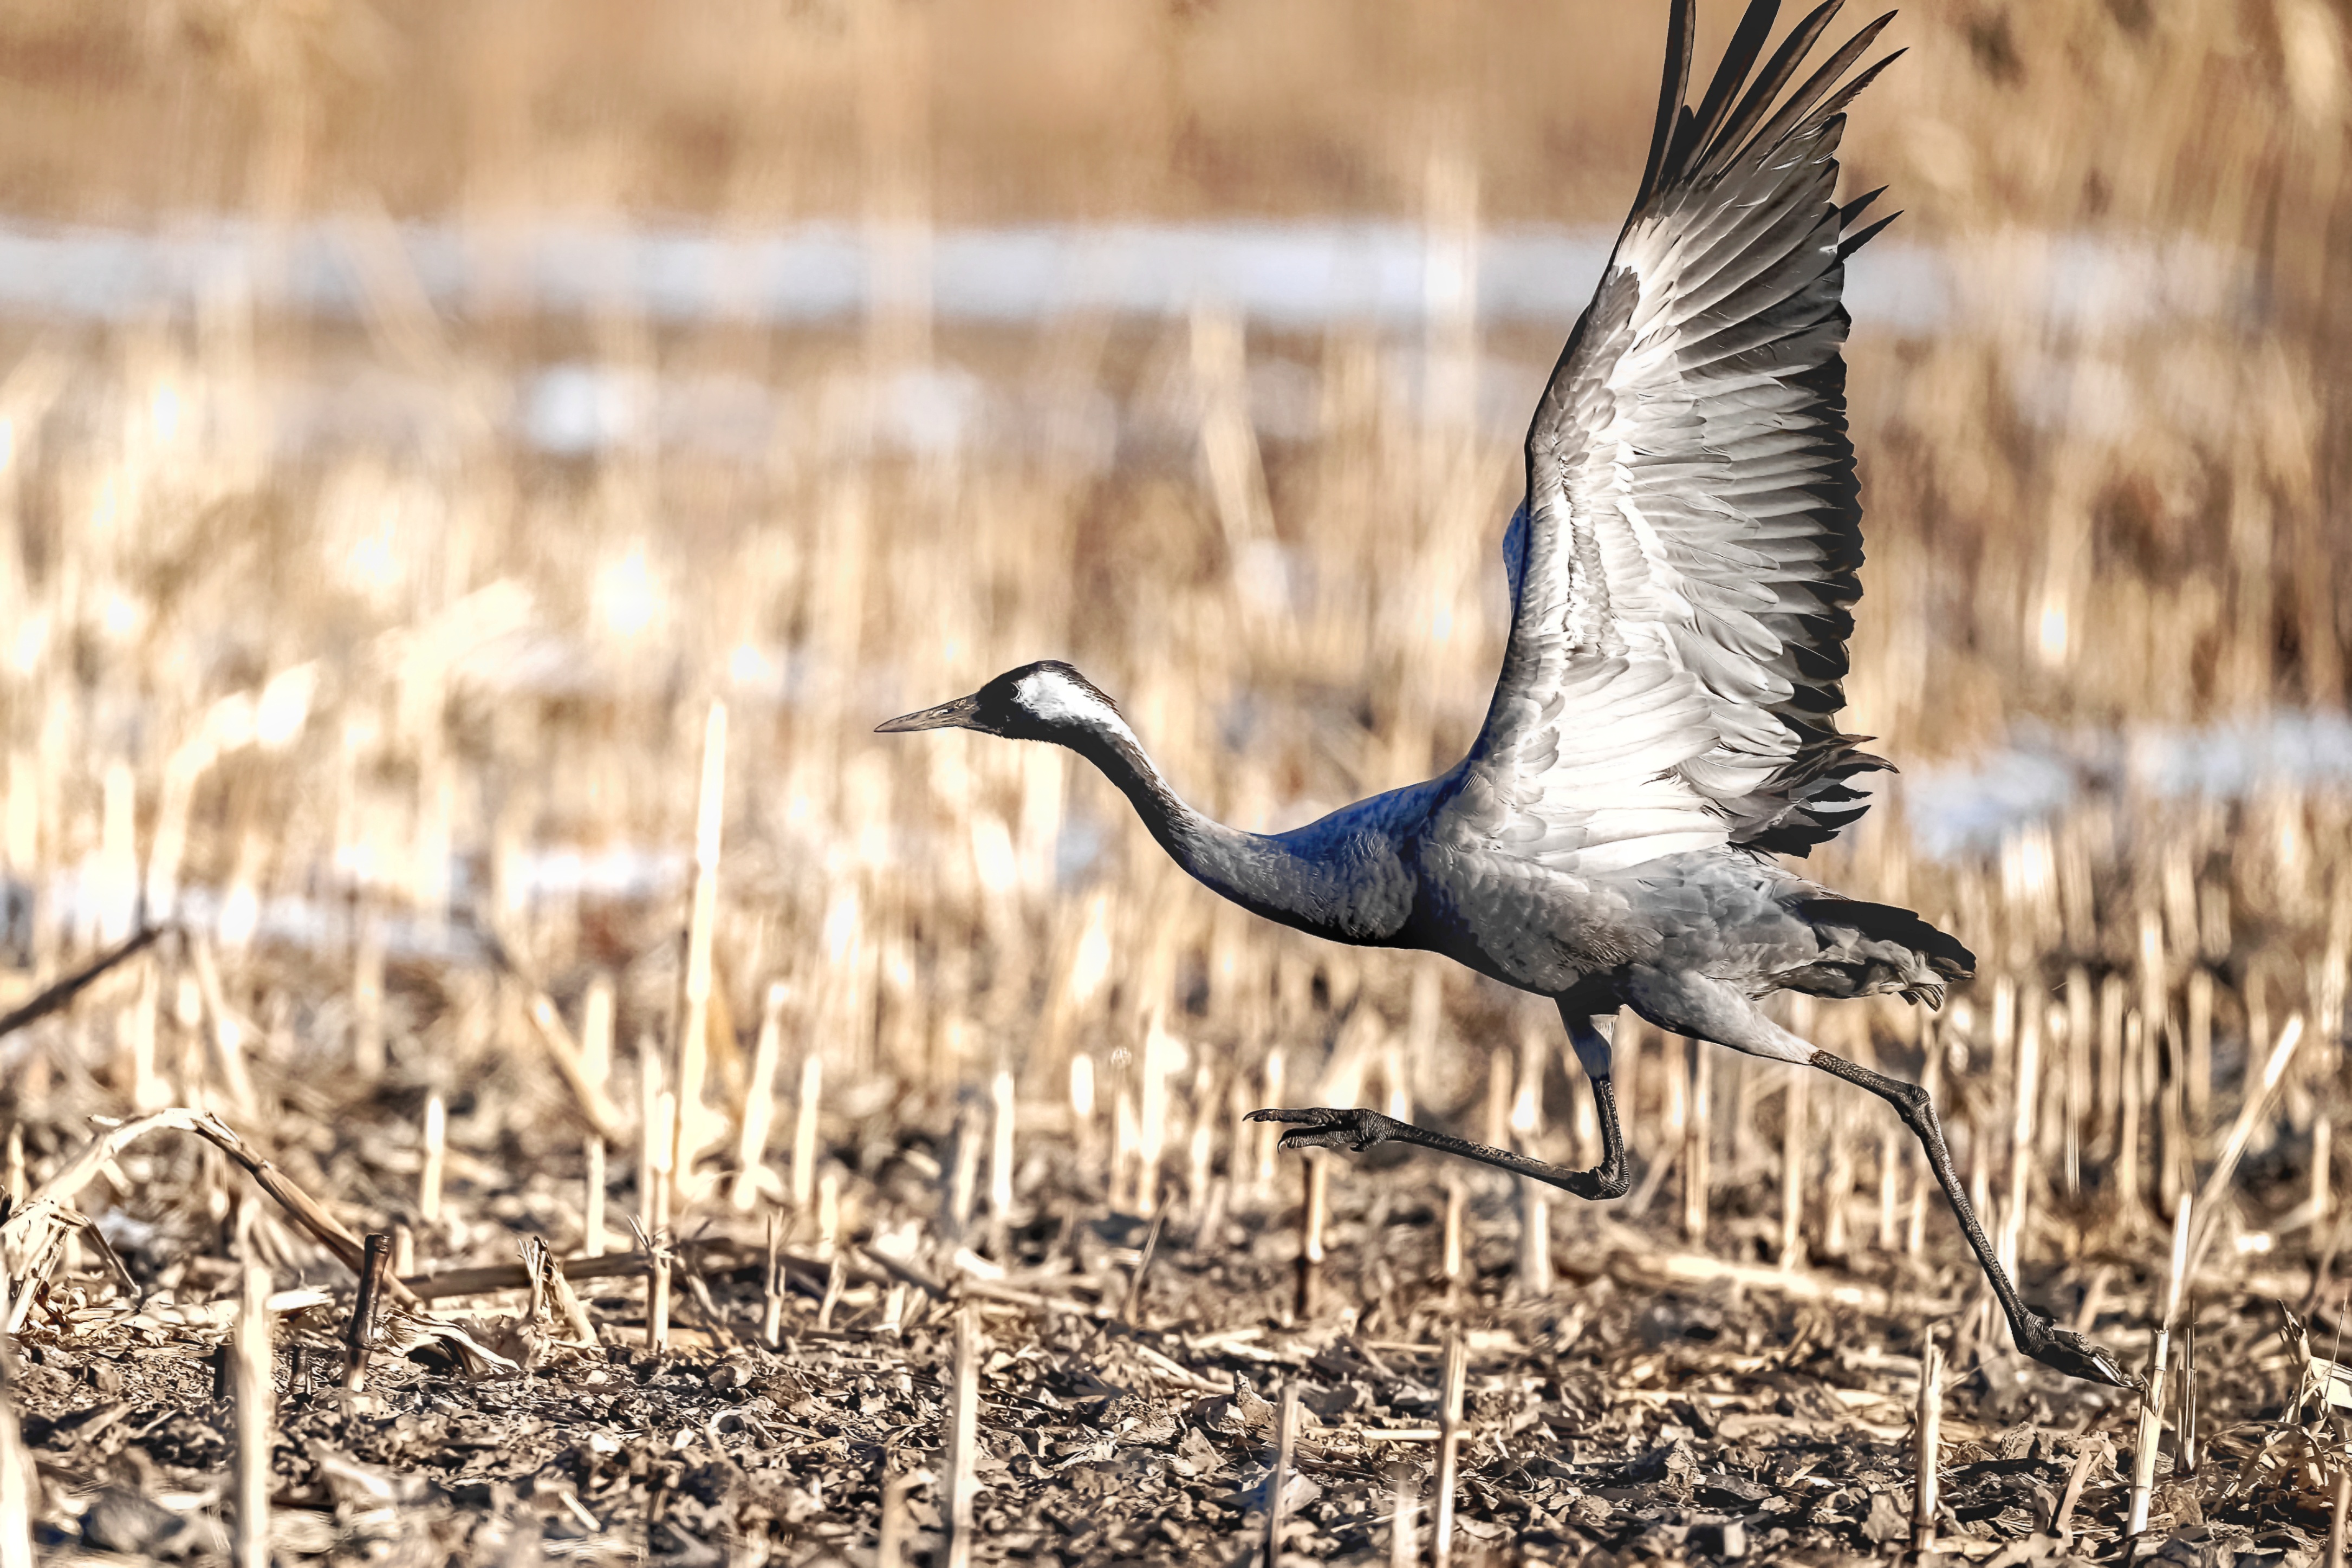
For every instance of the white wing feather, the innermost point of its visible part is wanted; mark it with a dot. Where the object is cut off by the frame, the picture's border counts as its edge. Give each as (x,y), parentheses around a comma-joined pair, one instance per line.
(1683,568)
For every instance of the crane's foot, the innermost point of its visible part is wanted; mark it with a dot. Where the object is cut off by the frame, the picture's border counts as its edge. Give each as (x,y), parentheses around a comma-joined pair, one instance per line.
(2070,1352)
(1321,1127)
(1599,1185)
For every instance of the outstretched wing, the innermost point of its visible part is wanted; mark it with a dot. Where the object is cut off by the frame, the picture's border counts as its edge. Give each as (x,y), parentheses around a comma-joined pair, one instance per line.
(1684,565)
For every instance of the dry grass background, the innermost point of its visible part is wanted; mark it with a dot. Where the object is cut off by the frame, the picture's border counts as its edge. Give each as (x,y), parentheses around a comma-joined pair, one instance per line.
(392,678)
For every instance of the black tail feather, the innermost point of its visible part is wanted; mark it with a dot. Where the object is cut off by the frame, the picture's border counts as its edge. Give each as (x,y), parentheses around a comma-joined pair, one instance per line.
(1887,922)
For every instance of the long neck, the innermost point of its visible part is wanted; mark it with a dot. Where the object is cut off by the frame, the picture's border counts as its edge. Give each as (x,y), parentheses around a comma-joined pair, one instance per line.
(1267,875)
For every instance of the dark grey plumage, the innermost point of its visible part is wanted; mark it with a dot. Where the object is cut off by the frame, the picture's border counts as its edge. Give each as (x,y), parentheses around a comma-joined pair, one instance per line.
(1683,573)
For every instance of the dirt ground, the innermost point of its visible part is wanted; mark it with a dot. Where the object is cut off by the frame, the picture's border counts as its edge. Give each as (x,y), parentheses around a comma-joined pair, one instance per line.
(1658,1405)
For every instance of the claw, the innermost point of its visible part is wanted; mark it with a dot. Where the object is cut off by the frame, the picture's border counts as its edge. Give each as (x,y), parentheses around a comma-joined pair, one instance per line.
(2073,1354)
(1321,1127)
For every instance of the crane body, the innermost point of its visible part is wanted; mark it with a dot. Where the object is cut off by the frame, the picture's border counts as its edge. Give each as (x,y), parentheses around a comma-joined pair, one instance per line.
(1682,577)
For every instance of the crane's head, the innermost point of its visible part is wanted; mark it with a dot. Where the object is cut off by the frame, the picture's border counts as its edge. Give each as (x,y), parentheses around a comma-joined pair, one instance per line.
(1044,701)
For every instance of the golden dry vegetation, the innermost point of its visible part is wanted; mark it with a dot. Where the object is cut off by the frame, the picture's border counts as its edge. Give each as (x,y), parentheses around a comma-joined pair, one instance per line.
(348,694)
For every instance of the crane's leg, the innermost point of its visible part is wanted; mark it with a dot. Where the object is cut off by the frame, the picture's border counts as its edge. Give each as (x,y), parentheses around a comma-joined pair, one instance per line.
(1322,1128)
(1713,1010)
(1591,1034)
(2036,1335)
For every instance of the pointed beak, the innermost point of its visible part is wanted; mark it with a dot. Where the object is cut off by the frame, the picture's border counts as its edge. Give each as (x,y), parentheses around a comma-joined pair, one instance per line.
(956,714)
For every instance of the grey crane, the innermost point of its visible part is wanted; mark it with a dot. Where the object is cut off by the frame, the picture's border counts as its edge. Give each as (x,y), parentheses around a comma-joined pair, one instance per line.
(1682,574)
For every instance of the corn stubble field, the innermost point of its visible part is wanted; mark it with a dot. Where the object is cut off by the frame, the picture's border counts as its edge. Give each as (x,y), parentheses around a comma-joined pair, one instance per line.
(782,1131)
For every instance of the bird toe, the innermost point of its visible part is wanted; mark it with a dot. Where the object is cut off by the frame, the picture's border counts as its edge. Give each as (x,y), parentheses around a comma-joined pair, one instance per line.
(1325,1127)
(1308,1115)
(2071,1354)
